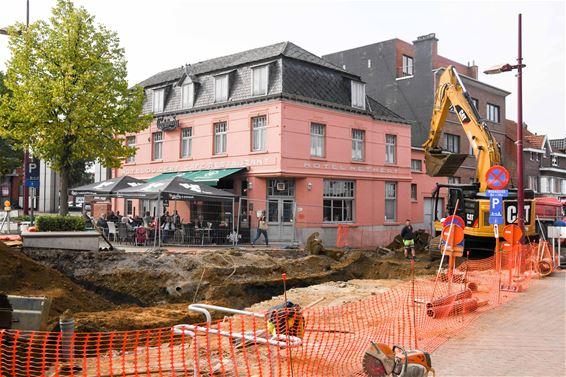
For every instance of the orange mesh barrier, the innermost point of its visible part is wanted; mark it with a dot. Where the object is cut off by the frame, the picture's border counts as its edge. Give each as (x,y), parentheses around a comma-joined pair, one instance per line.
(421,313)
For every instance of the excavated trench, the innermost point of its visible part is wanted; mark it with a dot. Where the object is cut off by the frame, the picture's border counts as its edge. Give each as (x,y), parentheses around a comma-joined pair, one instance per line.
(153,288)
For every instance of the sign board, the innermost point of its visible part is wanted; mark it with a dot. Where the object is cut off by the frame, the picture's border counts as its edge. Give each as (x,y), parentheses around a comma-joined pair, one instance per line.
(32,173)
(511,212)
(556,231)
(497,177)
(496,231)
(454,219)
(512,234)
(496,205)
(454,239)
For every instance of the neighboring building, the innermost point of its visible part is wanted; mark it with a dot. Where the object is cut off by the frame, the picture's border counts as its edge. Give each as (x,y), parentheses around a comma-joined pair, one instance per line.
(286,130)
(403,77)
(544,166)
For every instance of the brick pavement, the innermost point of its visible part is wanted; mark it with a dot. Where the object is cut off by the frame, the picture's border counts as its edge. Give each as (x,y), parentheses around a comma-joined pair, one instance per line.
(523,337)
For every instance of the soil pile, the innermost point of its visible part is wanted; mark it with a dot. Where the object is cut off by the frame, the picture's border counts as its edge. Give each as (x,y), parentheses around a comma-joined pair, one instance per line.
(21,275)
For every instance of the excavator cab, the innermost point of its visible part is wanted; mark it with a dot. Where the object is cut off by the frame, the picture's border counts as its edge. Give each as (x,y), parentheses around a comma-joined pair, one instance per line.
(442,164)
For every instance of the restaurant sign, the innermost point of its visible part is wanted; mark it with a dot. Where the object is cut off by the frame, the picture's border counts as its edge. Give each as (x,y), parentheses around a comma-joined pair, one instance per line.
(167,123)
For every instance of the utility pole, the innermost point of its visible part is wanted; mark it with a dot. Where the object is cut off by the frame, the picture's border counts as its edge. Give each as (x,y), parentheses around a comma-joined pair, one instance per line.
(520,177)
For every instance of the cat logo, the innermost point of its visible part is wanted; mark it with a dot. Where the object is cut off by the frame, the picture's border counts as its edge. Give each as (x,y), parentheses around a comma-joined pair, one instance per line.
(464,118)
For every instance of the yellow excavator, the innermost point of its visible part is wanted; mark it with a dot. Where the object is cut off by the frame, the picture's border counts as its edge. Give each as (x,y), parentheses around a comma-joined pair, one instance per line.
(473,203)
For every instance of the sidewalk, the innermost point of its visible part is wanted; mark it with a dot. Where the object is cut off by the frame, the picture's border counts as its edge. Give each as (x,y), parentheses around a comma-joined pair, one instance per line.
(524,337)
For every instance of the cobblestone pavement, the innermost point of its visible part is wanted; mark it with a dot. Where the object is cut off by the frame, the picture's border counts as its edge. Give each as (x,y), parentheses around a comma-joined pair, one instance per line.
(524,337)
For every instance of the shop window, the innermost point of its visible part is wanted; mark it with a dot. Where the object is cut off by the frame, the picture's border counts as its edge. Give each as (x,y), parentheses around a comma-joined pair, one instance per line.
(157,145)
(492,112)
(259,133)
(188,95)
(338,201)
(317,139)
(390,201)
(413,191)
(416,165)
(358,145)
(390,149)
(220,137)
(452,143)
(358,95)
(221,88)
(131,143)
(186,142)
(260,78)
(158,100)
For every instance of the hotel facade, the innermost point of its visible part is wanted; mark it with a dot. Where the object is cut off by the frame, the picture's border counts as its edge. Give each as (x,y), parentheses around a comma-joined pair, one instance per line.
(288,133)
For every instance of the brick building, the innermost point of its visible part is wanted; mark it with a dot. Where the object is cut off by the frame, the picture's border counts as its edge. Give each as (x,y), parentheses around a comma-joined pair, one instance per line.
(403,77)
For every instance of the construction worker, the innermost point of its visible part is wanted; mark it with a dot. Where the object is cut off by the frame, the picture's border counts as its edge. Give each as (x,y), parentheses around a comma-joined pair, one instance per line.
(408,241)
(286,319)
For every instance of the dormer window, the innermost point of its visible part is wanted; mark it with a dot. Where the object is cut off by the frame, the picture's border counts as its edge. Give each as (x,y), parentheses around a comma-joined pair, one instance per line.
(259,80)
(221,88)
(158,100)
(358,95)
(188,95)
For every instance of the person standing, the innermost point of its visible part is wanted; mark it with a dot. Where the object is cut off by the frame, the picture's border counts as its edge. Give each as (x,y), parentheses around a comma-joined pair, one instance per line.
(408,242)
(261,229)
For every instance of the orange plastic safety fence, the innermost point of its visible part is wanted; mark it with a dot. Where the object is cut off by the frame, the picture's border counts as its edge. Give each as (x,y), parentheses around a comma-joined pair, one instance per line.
(416,314)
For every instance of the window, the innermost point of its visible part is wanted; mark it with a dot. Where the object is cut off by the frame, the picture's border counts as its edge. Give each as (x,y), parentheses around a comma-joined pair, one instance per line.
(533,183)
(390,149)
(129,207)
(157,145)
(221,88)
(259,129)
(407,66)
(554,160)
(358,95)
(259,78)
(454,180)
(544,185)
(416,165)
(452,143)
(413,191)
(493,113)
(280,187)
(555,185)
(186,142)
(158,97)
(131,143)
(369,63)
(534,156)
(338,201)
(476,103)
(220,129)
(358,145)
(317,140)
(563,186)
(188,95)
(390,201)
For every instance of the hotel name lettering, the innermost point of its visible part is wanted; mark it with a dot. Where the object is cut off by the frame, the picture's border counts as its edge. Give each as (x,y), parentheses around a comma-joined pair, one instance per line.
(167,123)
(351,168)
(207,165)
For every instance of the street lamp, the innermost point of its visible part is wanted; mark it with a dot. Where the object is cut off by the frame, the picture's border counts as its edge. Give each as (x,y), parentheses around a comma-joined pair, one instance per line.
(520,183)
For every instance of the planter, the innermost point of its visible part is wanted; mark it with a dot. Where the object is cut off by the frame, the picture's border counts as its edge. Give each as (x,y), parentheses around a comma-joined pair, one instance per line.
(84,241)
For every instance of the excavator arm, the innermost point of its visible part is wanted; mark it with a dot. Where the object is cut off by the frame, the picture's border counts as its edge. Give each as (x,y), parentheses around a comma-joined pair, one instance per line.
(451,91)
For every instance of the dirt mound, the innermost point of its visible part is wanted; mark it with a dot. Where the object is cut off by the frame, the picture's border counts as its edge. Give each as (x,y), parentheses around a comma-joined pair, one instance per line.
(21,275)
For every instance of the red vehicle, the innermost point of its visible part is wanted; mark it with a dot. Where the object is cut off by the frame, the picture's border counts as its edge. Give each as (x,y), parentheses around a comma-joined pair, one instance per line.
(548,210)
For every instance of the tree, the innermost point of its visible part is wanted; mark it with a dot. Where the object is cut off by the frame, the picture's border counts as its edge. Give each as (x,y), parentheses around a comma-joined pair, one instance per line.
(70,99)
(10,158)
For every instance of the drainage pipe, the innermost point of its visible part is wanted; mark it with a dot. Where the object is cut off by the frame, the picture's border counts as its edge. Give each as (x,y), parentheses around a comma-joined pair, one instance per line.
(204,309)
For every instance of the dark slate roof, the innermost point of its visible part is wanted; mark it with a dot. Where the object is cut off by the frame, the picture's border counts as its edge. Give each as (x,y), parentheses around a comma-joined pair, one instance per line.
(286,49)
(381,112)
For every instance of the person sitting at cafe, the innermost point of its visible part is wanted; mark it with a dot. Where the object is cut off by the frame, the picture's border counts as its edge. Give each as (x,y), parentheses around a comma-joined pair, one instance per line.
(127,222)
(137,221)
(112,217)
(103,224)
(200,224)
(176,219)
(147,219)
(168,228)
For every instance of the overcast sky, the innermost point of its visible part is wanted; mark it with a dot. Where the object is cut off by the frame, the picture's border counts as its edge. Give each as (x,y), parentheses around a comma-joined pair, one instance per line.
(164,34)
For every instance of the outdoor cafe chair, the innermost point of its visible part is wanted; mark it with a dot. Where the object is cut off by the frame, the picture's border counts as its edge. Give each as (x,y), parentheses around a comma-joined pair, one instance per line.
(112,230)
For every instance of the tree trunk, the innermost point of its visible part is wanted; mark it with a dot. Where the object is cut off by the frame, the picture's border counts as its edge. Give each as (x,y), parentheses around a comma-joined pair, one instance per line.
(63,193)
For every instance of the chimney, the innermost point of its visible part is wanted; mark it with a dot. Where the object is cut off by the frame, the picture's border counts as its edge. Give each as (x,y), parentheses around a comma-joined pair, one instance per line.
(425,50)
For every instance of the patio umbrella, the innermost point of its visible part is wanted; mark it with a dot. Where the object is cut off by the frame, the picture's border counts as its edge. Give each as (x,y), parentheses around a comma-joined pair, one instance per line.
(108,187)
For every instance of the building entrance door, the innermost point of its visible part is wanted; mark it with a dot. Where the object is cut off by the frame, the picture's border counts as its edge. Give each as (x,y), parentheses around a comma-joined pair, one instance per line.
(280,208)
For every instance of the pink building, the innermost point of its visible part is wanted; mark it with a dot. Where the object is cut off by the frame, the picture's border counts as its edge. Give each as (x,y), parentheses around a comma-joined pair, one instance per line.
(290,134)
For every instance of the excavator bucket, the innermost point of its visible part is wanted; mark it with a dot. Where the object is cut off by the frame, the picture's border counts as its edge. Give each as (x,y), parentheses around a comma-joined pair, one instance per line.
(440,164)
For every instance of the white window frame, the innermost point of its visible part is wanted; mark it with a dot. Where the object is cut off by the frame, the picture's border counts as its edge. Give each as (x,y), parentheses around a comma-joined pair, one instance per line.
(390,149)
(414,192)
(131,143)
(260,85)
(476,103)
(544,185)
(452,141)
(358,95)
(158,100)
(414,163)
(339,195)
(533,183)
(157,146)
(188,95)
(358,145)
(563,186)
(390,197)
(318,135)
(493,113)
(186,142)
(220,138)
(408,66)
(221,87)
(454,180)
(259,133)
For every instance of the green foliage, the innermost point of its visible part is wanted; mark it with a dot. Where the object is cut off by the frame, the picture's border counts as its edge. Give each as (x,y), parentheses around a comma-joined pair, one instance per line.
(21,218)
(10,158)
(52,223)
(70,99)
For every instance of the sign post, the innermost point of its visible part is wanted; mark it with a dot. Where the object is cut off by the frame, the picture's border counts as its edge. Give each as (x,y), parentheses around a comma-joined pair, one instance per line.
(32,182)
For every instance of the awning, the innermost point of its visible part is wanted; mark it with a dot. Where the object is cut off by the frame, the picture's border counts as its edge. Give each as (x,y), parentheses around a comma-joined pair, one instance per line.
(108,187)
(208,177)
(173,188)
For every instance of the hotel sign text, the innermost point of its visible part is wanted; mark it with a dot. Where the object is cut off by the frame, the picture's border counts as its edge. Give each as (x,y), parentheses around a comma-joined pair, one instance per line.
(350,168)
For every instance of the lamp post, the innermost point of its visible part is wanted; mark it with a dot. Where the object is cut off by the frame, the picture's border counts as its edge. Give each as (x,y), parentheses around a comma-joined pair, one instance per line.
(520,179)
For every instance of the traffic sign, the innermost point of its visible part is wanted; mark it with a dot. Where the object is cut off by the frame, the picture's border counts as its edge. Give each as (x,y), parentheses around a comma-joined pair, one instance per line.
(497,177)
(32,173)
(501,193)
(456,235)
(454,219)
(512,233)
